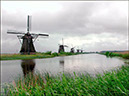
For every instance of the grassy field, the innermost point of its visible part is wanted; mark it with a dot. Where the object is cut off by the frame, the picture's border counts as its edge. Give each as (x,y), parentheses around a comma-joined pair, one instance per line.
(48,54)
(115,83)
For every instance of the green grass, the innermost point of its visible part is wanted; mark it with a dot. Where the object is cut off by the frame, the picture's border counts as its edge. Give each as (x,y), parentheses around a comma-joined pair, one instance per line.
(110,54)
(115,83)
(48,54)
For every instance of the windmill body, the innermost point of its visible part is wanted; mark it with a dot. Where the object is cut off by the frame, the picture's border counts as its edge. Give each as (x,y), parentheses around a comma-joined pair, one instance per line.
(27,39)
(27,45)
(61,49)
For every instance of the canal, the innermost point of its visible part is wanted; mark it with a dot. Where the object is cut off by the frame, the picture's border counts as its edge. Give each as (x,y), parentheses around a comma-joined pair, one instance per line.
(84,63)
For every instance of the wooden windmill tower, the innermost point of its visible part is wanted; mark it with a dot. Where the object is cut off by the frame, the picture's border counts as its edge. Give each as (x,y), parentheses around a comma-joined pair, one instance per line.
(28,39)
(61,47)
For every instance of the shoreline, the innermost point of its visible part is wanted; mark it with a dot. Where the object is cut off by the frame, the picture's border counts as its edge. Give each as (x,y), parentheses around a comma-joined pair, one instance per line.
(48,54)
(34,56)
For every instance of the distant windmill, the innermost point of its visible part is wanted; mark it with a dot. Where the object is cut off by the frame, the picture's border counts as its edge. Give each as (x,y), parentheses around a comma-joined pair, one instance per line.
(80,50)
(61,47)
(27,44)
(72,49)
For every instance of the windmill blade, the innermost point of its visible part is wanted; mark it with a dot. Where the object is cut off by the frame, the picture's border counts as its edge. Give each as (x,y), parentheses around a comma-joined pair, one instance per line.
(43,34)
(73,47)
(20,36)
(65,46)
(28,23)
(39,34)
(15,32)
(30,20)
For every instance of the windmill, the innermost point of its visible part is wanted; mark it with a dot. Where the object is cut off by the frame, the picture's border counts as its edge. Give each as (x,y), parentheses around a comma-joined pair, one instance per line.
(27,39)
(61,47)
(80,50)
(72,49)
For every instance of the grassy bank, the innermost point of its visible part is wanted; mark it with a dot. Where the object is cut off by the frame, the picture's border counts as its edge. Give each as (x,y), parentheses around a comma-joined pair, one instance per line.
(48,54)
(111,54)
(115,83)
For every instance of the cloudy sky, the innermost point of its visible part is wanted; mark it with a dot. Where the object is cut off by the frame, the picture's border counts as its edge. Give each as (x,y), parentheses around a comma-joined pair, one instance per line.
(92,26)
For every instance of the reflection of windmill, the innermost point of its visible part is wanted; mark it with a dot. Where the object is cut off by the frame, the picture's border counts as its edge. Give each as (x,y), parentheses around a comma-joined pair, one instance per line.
(61,47)
(62,63)
(27,44)
(27,66)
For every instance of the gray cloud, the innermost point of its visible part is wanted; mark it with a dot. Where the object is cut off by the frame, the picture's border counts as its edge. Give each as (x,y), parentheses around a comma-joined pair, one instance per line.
(74,19)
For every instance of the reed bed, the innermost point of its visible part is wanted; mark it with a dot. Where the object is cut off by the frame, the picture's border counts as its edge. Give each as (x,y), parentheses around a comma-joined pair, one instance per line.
(115,83)
(111,54)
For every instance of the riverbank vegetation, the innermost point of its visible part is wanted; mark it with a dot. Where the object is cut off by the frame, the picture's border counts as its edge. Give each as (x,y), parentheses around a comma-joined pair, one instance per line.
(111,54)
(115,83)
(38,55)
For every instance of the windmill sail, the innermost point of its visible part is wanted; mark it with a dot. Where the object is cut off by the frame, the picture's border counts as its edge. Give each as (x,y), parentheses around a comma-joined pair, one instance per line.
(39,34)
(10,32)
(43,34)
(65,46)
(28,24)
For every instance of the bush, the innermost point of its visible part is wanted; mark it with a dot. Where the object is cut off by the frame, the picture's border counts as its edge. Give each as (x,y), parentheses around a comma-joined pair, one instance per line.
(126,56)
(55,54)
(48,53)
(107,54)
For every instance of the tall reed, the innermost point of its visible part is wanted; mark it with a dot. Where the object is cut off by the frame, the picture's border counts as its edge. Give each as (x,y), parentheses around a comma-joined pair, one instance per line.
(115,83)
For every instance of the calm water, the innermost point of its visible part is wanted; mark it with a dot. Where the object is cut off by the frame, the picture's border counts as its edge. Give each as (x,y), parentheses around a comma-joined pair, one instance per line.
(90,63)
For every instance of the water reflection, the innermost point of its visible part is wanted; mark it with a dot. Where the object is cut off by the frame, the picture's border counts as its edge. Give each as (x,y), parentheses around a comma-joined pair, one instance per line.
(61,61)
(27,66)
(86,63)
